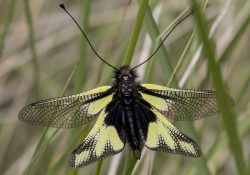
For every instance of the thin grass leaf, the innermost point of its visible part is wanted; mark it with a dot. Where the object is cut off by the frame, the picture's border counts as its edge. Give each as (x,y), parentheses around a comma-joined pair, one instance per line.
(131,166)
(7,22)
(162,52)
(243,89)
(65,156)
(196,56)
(181,58)
(200,164)
(231,46)
(227,113)
(81,71)
(36,77)
(73,172)
(99,166)
(136,31)
(222,140)
(219,137)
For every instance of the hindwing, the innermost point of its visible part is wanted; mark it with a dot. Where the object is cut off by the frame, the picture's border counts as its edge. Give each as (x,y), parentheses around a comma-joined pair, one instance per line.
(102,141)
(181,104)
(67,112)
(163,136)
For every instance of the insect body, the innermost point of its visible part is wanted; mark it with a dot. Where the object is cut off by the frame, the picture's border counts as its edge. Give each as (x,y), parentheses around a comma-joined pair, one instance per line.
(127,111)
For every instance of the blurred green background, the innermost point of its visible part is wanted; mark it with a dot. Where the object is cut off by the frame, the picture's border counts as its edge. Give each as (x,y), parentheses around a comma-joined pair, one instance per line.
(43,55)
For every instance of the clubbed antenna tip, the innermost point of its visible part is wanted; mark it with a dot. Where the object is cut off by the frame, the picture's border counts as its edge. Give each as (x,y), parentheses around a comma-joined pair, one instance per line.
(62,6)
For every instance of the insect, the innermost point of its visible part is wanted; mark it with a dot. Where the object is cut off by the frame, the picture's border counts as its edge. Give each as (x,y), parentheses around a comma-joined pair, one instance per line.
(127,111)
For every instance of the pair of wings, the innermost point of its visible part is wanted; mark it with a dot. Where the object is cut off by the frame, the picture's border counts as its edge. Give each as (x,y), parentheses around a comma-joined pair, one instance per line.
(103,140)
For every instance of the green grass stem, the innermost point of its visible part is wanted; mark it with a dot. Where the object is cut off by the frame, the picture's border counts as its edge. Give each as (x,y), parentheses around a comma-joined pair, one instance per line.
(181,58)
(82,67)
(231,46)
(225,108)
(162,52)
(131,166)
(136,31)
(32,43)
(7,22)
(99,166)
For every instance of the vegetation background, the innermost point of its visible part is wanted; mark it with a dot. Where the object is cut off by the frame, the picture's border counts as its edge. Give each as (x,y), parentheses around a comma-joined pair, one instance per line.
(43,55)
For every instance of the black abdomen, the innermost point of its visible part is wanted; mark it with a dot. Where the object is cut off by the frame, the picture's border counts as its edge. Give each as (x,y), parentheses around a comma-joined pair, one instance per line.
(131,126)
(130,115)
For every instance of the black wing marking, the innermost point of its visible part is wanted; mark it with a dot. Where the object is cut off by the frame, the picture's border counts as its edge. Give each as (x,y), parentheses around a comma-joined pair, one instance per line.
(165,137)
(102,141)
(67,112)
(180,104)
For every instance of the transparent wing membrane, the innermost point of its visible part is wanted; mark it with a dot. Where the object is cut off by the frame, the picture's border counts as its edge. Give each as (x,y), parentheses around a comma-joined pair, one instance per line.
(180,104)
(67,112)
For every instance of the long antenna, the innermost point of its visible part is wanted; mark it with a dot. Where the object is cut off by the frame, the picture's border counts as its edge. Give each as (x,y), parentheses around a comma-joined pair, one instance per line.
(63,7)
(179,22)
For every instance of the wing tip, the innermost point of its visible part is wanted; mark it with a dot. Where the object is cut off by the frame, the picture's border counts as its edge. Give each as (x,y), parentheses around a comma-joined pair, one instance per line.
(72,161)
(22,115)
(25,115)
(197,149)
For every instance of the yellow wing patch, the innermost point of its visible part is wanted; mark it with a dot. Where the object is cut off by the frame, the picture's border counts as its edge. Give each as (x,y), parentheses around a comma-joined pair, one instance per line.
(96,90)
(96,106)
(101,142)
(157,102)
(156,87)
(155,130)
(163,136)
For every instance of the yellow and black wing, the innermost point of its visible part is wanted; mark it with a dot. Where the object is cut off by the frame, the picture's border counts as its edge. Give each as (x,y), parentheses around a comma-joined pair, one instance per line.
(67,112)
(102,141)
(165,137)
(181,104)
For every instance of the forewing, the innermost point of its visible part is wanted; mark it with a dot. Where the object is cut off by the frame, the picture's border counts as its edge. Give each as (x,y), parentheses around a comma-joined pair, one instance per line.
(180,104)
(102,141)
(67,112)
(163,136)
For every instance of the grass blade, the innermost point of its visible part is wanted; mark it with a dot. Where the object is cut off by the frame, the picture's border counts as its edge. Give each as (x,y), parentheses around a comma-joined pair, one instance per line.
(135,32)
(225,108)
(81,71)
(32,46)
(7,22)
(235,40)
(162,52)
